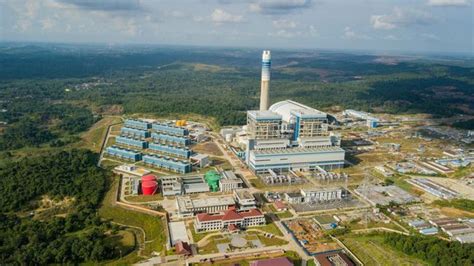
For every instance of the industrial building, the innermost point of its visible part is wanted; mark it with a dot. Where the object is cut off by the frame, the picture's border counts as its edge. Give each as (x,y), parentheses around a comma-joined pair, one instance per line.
(169,129)
(178,185)
(188,207)
(291,136)
(167,163)
(244,199)
(137,123)
(433,188)
(181,152)
(315,195)
(178,232)
(137,143)
(372,122)
(383,195)
(229,181)
(134,133)
(230,220)
(171,139)
(123,153)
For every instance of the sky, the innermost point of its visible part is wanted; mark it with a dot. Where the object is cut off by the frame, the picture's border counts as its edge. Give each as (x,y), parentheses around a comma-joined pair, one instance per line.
(380,25)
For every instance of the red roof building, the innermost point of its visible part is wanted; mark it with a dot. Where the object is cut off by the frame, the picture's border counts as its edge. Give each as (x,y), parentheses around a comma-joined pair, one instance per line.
(280,206)
(230,219)
(283,261)
(334,258)
(183,248)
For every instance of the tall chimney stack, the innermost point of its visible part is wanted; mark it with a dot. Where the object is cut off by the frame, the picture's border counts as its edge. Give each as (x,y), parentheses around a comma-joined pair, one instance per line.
(265,86)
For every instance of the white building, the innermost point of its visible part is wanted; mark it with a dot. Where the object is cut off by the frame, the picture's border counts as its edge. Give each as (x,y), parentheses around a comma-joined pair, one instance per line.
(229,181)
(230,220)
(188,207)
(315,195)
(245,200)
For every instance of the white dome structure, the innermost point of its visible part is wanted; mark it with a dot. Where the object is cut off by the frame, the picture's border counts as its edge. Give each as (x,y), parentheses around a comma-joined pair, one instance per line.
(284,108)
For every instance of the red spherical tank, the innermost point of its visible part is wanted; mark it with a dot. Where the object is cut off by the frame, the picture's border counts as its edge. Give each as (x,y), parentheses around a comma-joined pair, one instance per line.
(146,178)
(149,187)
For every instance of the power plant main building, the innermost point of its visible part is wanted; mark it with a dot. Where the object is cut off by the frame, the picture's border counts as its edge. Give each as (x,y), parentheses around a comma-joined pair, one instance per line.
(289,135)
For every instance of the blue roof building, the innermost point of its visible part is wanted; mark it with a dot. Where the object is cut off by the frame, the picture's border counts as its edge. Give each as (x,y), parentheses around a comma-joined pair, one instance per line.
(133,132)
(167,163)
(170,129)
(123,153)
(164,138)
(171,150)
(132,142)
(138,124)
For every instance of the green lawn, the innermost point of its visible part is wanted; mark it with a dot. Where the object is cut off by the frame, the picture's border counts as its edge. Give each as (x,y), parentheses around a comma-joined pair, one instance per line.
(271,228)
(198,236)
(371,250)
(284,214)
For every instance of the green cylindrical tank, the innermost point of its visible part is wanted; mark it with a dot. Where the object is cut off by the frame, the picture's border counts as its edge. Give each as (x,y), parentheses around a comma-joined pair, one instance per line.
(212,178)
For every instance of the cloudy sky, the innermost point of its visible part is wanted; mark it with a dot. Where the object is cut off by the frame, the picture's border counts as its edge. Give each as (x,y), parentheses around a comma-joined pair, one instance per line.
(404,25)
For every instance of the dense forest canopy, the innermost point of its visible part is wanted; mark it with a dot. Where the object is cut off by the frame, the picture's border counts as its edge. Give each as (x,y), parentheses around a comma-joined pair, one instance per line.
(432,249)
(77,237)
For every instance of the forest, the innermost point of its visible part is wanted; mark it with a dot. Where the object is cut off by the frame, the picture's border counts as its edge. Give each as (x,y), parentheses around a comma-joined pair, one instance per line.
(79,236)
(432,249)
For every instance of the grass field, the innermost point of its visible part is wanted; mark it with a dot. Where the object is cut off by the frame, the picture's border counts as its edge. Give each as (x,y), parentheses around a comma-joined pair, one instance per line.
(92,139)
(284,214)
(271,228)
(144,198)
(371,250)
(152,226)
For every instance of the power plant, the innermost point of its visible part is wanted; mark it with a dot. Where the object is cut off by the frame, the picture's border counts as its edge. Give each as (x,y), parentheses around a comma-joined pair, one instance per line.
(288,135)
(265,86)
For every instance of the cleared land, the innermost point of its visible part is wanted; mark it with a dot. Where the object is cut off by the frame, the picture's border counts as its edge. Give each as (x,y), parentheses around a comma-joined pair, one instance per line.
(371,250)
(92,139)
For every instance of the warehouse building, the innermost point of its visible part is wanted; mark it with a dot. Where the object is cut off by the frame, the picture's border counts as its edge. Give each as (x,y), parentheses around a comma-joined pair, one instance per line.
(188,207)
(170,129)
(134,133)
(122,153)
(141,144)
(170,139)
(167,163)
(230,220)
(138,124)
(181,152)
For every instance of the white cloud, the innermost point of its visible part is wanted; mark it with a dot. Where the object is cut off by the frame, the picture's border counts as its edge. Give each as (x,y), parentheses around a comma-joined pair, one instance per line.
(381,22)
(430,36)
(284,24)
(283,33)
(391,37)
(221,16)
(401,17)
(279,6)
(449,2)
(350,34)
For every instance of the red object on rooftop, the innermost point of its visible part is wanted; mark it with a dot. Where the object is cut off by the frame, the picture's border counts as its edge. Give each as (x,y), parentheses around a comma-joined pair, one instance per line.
(149,187)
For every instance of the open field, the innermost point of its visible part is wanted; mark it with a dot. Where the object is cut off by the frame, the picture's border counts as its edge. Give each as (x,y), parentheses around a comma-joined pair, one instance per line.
(144,198)
(152,226)
(207,148)
(92,139)
(371,250)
